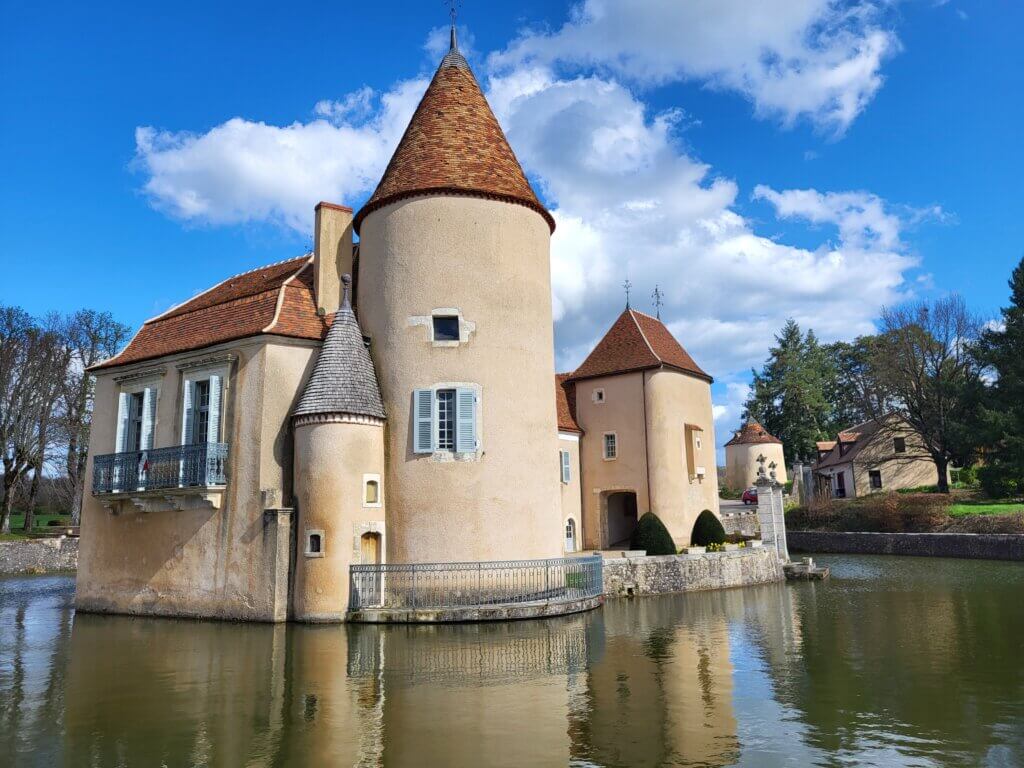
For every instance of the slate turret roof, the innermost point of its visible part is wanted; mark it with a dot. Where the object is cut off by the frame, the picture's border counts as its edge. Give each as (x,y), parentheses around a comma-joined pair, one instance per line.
(343,380)
(454,145)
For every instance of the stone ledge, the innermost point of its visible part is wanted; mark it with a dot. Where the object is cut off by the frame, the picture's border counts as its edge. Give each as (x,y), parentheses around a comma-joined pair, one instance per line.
(981,546)
(509,612)
(664,574)
(54,555)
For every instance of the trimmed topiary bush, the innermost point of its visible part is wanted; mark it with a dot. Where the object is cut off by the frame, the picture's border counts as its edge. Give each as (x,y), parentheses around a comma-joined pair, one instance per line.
(652,536)
(707,530)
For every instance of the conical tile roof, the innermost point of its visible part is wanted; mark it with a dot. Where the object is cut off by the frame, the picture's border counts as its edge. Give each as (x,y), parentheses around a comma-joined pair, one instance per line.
(343,380)
(454,145)
(753,433)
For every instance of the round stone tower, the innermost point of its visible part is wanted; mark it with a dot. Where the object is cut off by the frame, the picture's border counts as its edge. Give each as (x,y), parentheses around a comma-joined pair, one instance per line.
(339,471)
(742,452)
(454,290)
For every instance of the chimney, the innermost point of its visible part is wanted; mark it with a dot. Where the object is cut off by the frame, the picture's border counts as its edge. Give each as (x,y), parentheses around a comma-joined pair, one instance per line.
(332,254)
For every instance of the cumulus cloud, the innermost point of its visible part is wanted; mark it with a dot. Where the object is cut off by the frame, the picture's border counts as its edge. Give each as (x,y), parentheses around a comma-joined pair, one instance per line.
(814,59)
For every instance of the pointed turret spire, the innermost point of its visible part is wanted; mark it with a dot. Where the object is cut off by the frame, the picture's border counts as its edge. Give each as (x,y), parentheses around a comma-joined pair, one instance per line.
(343,380)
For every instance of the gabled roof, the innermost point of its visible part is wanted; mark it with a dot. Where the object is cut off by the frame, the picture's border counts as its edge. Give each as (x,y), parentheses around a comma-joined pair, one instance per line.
(276,299)
(636,342)
(343,379)
(752,433)
(454,145)
(851,442)
(565,403)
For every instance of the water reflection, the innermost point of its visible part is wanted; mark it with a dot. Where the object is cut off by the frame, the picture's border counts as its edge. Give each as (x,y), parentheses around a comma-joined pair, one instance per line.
(902,666)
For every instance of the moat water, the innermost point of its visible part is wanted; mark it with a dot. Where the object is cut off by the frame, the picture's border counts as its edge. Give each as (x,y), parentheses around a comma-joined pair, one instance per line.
(894,661)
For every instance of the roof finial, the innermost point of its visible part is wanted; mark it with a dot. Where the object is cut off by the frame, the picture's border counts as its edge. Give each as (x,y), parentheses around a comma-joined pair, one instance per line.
(453,11)
(627,285)
(657,296)
(346,300)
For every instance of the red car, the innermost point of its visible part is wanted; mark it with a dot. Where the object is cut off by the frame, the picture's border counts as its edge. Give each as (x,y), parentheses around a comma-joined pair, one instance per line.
(750,496)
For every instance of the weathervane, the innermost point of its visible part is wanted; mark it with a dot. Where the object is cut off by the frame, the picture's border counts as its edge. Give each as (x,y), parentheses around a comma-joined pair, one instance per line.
(657,296)
(627,285)
(453,8)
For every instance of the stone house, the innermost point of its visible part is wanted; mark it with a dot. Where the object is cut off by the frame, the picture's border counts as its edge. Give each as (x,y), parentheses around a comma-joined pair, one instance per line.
(386,401)
(879,455)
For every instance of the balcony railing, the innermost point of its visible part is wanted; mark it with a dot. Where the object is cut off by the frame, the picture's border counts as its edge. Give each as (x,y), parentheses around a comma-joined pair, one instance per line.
(466,585)
(180,466)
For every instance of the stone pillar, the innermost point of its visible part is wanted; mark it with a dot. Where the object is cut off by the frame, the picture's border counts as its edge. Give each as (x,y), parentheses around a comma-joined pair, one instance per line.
(770,511)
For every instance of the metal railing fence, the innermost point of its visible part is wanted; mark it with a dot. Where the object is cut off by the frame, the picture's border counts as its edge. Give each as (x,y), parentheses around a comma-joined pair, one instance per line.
(180,466)
(463,585)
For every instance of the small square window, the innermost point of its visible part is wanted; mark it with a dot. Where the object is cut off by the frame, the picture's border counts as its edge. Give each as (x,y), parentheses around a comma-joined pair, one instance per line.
(875,476)
(446,328)
(598,395)
(611,448)
(314,543)
(372,492)
(899,445)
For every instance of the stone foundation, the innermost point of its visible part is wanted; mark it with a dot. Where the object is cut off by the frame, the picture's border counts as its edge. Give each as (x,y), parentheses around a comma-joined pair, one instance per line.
(629,576)
(38,556)
(983,546)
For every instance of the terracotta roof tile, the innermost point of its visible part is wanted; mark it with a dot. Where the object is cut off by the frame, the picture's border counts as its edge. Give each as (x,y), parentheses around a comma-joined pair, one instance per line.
(454,145)
(241,306)
(825,445)
(636,342)
(752,433)
(565,403)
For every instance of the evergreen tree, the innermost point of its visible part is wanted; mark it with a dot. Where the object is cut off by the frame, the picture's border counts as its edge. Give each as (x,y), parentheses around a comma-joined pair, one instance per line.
(1002,350)
(789,395)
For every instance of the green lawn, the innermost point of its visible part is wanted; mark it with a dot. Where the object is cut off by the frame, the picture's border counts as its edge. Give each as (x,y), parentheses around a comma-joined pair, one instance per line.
(985,507)
(41,524)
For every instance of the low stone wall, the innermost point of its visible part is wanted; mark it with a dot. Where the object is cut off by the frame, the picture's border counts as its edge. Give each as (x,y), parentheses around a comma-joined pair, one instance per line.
(744,523)
(628,576)
(38,556)
(983,546)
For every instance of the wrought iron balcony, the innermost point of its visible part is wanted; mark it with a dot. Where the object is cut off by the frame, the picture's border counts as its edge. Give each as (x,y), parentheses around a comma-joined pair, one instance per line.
(181,466)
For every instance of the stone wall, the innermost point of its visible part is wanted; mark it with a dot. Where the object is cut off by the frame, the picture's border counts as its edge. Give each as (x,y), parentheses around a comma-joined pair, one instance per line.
(744,523)
(38,556)
(627,576)
(985,546)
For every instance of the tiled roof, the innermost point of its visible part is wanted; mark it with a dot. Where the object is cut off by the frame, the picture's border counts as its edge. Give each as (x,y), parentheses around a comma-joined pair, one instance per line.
(753,433)
(565,403)
(454,145)
(636,342)
(850,443)
(343,379)
(825,445)
(277,299)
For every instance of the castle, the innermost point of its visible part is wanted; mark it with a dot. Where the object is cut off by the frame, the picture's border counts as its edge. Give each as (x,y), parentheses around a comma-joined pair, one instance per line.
(388,401)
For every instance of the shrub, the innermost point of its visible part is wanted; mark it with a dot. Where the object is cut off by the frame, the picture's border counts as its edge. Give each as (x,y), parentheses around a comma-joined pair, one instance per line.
(919,489)
(652,536)
(707,530)
(998,483)
(56,521)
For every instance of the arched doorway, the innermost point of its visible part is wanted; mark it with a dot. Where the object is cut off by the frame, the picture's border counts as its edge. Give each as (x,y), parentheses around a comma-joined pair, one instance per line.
(570,535)
(621,518)
(370,554)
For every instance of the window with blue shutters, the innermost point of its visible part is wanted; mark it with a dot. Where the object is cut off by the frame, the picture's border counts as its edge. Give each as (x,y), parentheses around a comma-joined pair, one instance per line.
(445,420)
(566,475)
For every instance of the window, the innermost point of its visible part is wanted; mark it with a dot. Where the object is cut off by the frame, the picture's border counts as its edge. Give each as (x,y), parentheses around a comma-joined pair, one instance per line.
(201,410)
(570,535)
(611,448)
(899,445)
(598,395)
(445,420)
(564,459)
(875,475)
(135,419)
(314,543)
(698,441)
(371,491)
(446,328)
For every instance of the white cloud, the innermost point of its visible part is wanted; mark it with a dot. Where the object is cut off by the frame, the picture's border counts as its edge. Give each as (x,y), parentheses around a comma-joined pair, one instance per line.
(246,171)
(814,59)
(727,409)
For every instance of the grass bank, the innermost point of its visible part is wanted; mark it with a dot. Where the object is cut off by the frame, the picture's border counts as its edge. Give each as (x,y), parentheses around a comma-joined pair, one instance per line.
(41,524)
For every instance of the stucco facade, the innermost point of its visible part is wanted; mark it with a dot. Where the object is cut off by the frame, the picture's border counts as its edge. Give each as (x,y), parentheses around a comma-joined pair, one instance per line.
(741,464)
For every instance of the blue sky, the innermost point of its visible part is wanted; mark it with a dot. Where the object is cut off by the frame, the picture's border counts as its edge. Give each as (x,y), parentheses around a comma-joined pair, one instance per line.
(815,162)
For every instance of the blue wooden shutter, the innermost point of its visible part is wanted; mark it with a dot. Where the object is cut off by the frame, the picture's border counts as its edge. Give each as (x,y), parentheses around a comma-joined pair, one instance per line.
(465,420)
(213,423)
(148,417)
(188,395)
(566,476)
(123,408)
(423,421)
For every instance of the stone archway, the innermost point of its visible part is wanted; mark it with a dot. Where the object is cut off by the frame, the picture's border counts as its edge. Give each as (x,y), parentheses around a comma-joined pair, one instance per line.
(620,518)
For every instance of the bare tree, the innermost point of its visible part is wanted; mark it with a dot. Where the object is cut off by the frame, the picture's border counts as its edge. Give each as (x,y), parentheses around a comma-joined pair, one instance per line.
(91,337)
(31,369)
(923,360)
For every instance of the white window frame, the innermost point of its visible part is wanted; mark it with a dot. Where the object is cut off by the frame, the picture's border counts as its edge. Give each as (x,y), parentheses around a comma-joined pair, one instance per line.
(571,523)
(564,466)
(310,533)
(133,388)
(191,375)
(598,396)
(466,327)
(615,445)
(367,479)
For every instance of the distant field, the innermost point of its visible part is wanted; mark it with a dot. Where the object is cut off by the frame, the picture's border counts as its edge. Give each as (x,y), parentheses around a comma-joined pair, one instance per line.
(986,507)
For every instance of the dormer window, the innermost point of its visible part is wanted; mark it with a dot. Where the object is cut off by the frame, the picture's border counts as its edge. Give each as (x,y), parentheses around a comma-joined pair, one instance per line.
(446,328)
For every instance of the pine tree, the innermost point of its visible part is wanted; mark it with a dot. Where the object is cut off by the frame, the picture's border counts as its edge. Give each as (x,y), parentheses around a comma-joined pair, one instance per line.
(1002,349)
